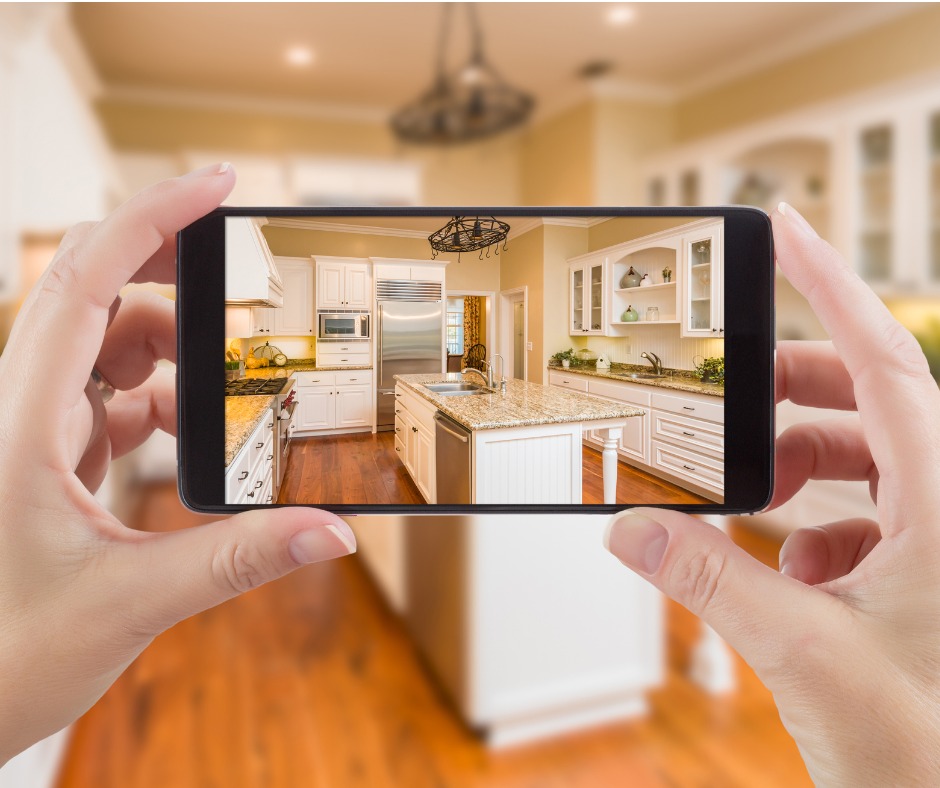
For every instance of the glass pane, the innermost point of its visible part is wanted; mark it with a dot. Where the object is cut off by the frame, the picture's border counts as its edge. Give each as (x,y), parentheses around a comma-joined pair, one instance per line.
(935,197)
(577,299)
(876,200)
(700,280)
(597,296)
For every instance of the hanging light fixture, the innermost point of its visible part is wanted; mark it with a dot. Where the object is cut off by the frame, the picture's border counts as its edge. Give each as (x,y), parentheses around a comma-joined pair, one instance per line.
(468,104)
(463,234)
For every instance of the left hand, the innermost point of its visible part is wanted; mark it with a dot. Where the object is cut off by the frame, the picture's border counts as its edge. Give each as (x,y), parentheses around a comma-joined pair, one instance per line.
(81,595)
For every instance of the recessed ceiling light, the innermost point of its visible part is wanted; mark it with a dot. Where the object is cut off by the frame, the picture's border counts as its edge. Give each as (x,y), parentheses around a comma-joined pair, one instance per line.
(620,15)
(299,56)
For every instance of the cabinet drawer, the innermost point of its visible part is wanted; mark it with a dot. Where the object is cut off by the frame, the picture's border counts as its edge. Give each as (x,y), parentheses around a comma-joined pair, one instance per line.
(359,346)
(236,478)
(261,437)
(690,406)
(302,379)
(359,377)
(635,394)
(573,382)
(689,433)
(690,465)
(400,448)
(344,359)
(256,483)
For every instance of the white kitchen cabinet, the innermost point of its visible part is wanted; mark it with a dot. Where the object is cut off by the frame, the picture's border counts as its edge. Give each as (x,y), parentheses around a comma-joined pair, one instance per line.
(587,297)
(701,278)
(343,283)
(334,402)
(408,270)
(249,478)
(263,321)
(251,276)
(296,316)
(415,434)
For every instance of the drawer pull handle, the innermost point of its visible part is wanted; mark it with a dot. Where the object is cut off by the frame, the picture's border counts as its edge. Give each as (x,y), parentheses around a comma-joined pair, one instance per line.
(686,407)
(397,449)
(271,426)
(259,483)
(260,445)
(397,430)
(689,467)
(243,476)
(269,498)
(397,410)
(270,457)
(414,429)
(690,434)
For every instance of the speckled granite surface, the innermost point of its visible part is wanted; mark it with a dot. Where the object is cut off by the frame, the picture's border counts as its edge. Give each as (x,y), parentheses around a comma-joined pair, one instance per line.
(523,405)
(290,369)
(242,415)
(675,379)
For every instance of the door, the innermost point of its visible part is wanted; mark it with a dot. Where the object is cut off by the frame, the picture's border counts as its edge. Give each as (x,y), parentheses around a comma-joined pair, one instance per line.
(353,406)
(295,318)
(702,308)
(262,321)
(317,408)
(357,291)
(330,286)
(424,462)
(576,295)
(518,340)
(410,336)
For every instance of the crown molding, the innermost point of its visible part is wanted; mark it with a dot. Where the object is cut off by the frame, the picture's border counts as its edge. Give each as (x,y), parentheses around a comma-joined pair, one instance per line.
(298,223)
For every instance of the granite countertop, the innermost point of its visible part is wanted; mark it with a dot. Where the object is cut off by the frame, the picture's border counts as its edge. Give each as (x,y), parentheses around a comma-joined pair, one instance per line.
(676,379)
(242,415)
(296,365)
(523,404)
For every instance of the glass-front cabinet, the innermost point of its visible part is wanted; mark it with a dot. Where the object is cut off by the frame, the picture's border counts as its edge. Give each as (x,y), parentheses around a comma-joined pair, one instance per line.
(876,153)
(934,228)
(702,283)
(587,297)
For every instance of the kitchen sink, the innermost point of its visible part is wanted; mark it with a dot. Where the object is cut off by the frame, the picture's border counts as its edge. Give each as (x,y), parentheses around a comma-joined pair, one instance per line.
(639,375)
(456,389)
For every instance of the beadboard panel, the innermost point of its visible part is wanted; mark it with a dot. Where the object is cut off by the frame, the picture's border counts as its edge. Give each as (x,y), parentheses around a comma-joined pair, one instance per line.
(675,351)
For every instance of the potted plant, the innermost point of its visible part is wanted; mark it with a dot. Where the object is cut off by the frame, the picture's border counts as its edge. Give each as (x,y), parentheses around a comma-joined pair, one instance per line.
(564,357)
(712,370)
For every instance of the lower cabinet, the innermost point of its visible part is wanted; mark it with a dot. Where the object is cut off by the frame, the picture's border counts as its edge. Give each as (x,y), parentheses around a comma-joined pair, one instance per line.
(249,479)
(334,401)
(414,441)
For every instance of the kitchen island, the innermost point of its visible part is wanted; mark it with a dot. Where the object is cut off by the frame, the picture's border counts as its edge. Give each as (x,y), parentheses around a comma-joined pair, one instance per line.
(524,445)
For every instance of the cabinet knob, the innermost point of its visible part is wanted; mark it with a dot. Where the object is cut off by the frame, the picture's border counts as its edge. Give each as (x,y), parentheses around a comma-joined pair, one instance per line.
(714,329)
(414,429)
(251,494)
(398,450)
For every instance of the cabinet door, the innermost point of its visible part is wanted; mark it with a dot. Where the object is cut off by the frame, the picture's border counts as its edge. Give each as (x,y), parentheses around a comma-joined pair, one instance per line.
(424,463)
(595,297)
(317,408)
(357,293)
(295,318)
(353,406)
(408,431)
(576,323)
(702,309)
(634,439)
(330,286)
(263,321)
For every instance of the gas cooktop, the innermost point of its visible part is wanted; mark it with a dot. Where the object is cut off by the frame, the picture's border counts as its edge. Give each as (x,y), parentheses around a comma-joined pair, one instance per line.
(251,387)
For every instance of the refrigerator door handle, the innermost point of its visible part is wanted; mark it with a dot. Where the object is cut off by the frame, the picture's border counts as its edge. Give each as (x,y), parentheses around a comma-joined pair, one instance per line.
(379,330)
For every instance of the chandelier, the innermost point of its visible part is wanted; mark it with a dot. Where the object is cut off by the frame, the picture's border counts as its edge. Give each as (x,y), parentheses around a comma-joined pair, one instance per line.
(463,234)
(468,104)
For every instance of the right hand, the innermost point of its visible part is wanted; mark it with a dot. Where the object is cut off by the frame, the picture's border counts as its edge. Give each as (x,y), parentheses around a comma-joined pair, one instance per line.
(847,635)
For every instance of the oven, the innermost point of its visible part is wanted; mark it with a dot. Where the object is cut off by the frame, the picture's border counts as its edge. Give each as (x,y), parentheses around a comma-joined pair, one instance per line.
(343,325)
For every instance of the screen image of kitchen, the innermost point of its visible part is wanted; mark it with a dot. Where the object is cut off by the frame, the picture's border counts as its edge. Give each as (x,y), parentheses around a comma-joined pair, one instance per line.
(474,360)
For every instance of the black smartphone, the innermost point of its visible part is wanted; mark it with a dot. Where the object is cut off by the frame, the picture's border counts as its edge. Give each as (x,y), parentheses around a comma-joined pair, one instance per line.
(435,360)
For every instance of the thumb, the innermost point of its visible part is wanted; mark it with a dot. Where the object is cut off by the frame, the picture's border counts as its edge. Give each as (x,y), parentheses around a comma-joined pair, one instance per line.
(181,573)
(758,611)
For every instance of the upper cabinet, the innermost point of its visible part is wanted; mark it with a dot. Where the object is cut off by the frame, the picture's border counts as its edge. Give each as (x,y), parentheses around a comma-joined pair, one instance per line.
(702,303)
(296,316)
(343,283)
(251,277)
(587,283)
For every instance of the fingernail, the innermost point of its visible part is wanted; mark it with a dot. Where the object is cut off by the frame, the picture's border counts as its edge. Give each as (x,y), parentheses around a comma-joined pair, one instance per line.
(785,569)
(212,169)
(637,541)
(322,543)
(791,214)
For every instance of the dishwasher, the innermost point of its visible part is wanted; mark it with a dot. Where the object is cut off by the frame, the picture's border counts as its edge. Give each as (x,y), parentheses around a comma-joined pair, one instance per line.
(453,460)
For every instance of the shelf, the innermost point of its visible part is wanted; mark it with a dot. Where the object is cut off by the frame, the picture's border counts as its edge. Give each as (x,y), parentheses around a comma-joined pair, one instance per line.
(701,265)
(705,298)
(645,322)
(641,289)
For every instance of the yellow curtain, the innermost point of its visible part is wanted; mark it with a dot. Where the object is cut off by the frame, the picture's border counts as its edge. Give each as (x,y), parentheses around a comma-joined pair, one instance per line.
(471,321)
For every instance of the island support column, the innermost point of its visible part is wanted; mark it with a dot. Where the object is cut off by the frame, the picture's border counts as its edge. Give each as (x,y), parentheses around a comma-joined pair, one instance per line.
(611,439)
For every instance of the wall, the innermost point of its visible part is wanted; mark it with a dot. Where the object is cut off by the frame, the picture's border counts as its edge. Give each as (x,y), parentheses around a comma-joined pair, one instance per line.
(628,228)
(556,159)
(560,245)
(893,50)
(521,266)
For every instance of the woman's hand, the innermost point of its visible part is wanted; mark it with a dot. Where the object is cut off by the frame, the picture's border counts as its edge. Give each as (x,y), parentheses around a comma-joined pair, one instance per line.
(847,635)
(80,594)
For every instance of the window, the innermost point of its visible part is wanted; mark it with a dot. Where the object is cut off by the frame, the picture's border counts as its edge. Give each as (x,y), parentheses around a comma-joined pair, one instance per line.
(455,326)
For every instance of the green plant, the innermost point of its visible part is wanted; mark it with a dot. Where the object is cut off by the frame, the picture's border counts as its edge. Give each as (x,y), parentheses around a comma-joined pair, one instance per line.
(232,364)
(565,355)
(712,369)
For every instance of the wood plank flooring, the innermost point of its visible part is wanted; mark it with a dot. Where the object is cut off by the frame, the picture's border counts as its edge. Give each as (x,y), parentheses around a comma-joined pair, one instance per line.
(363,467)
(311,682)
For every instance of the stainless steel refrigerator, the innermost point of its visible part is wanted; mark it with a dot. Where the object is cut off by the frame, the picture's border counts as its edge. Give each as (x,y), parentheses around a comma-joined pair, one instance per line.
(410,336)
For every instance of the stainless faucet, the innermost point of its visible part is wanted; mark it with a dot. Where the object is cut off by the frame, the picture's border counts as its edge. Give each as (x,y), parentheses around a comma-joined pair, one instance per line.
(502,372)
(486,381)
(654,360)
(488,377)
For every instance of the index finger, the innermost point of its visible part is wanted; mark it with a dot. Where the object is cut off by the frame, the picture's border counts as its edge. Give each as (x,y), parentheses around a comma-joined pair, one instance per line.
(70,302)
(897,399)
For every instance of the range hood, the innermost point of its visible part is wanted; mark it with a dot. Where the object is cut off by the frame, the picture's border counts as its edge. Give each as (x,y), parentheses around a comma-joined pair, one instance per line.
(251,278)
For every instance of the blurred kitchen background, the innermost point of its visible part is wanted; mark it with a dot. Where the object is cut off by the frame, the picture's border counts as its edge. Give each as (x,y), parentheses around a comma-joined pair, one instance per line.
(589,679)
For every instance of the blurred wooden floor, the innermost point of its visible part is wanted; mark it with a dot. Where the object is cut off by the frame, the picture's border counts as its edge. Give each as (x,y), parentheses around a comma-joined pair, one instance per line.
(311,682)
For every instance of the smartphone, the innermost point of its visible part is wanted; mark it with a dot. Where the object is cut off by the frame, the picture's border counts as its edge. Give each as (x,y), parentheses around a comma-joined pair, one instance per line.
(436,360)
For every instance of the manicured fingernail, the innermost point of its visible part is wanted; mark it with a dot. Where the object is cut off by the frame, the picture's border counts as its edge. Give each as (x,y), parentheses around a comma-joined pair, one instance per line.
(322,543)
(786,569)
(637,541)
(789,212)
(212,169)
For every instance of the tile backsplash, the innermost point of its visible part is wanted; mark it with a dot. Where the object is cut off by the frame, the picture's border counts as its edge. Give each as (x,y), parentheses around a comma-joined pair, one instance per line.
(676,352)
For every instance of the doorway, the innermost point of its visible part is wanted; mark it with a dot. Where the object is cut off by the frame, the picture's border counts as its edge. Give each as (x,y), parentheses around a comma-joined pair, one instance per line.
(513,332)
(470,320)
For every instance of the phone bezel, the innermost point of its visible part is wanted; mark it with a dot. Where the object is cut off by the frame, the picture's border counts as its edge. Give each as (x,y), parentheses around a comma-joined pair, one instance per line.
(749,356)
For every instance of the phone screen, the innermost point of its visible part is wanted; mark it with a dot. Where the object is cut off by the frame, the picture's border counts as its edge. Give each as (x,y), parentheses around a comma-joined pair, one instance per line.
(399,361)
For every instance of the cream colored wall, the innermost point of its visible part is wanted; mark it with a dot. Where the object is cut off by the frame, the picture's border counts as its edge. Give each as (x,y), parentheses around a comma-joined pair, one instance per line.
(521,265)
(893,50)
(626,228)
(556,159)
(560,245)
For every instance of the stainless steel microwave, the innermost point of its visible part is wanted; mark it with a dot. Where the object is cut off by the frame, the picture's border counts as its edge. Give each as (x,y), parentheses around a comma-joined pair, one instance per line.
(338,325)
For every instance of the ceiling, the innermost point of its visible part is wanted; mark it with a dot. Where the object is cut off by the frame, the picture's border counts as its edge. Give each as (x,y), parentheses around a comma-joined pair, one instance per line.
(380,55)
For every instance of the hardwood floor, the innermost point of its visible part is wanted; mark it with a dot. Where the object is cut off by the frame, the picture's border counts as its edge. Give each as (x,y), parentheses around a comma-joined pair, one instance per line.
(311,682)
(363,467)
